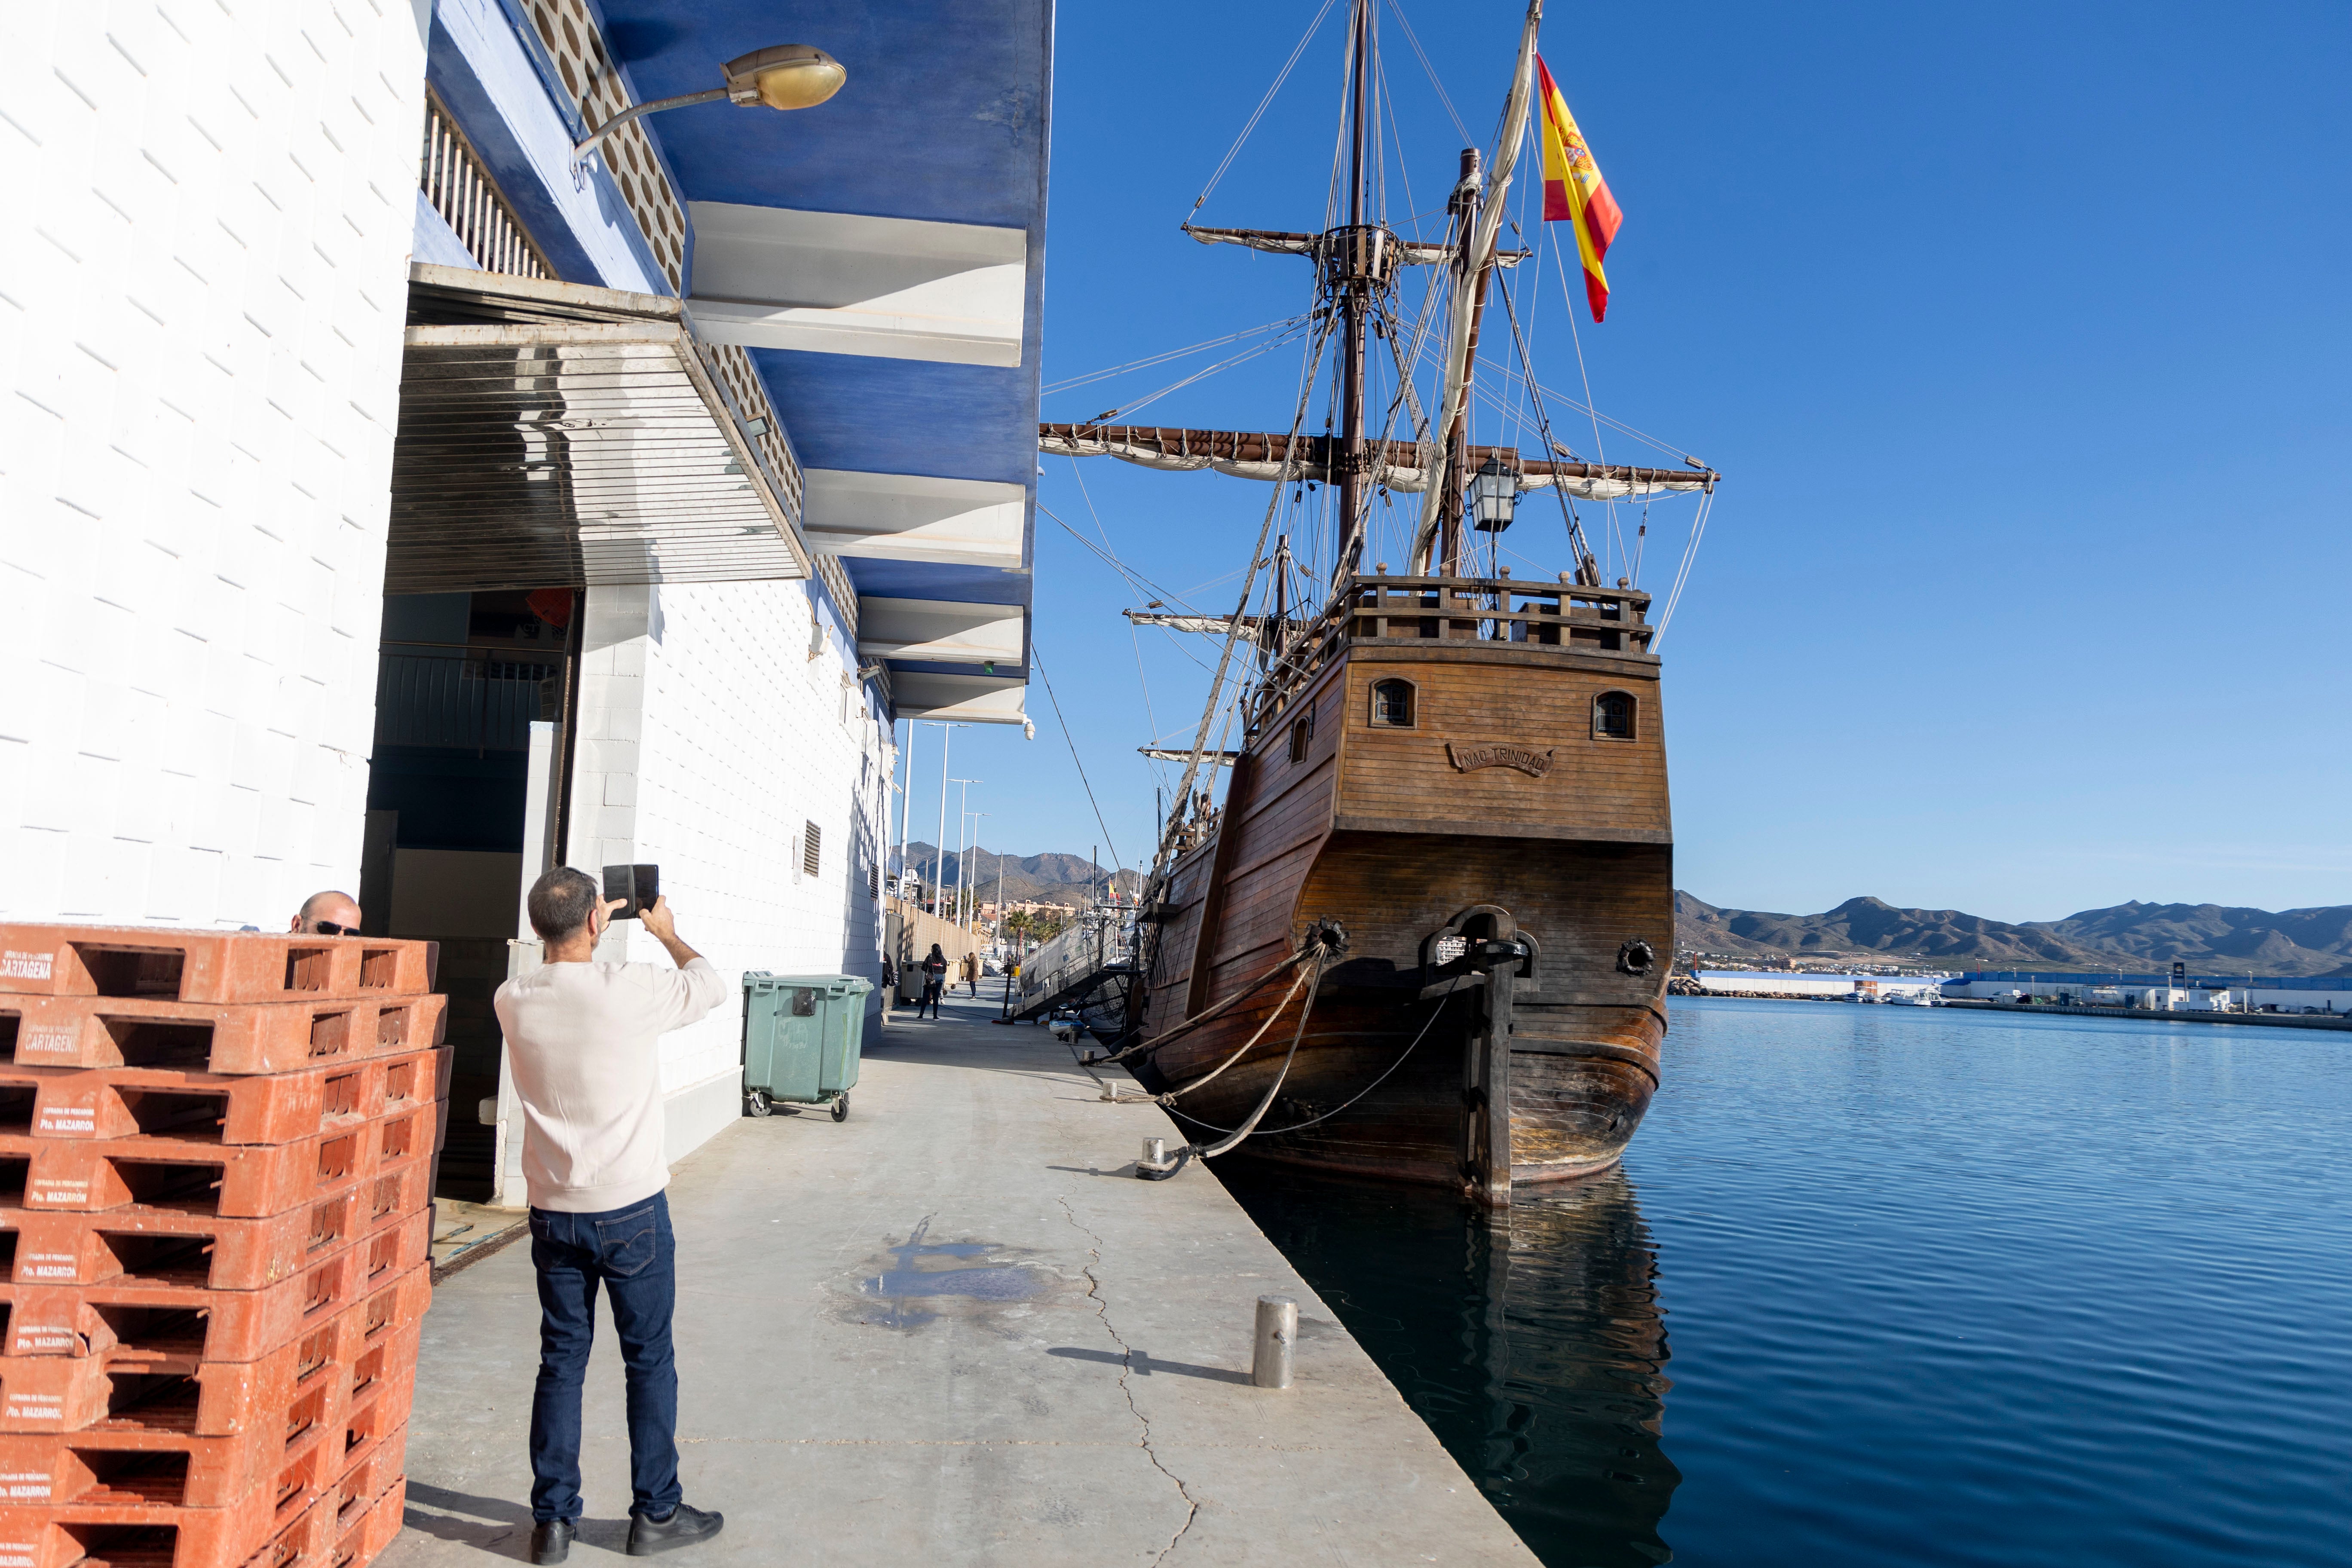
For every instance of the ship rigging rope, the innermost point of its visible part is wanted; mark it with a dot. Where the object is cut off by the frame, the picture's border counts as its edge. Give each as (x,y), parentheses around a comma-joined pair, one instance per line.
(1164,856)
(1253,352)
(1543,426)
(1430,70)
(1262,104)
(1149,359)
(1035,658)
(1386,1073)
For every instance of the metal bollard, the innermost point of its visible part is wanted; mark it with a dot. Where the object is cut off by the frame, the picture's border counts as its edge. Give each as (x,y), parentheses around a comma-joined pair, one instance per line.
(1155,1153)
(1277,1330)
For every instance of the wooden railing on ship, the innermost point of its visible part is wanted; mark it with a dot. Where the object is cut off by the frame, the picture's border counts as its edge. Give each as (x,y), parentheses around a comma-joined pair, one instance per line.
(1572,617)
(1498,609)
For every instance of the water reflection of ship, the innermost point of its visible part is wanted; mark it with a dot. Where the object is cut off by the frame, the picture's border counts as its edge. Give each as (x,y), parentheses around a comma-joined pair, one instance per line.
(1576,1372)
(1531,1341)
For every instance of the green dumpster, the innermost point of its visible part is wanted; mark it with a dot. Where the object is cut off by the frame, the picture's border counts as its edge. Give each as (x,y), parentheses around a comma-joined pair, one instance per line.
(801,1036)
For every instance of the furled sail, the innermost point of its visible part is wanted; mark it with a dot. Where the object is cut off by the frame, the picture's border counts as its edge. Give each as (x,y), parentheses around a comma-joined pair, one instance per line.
(1285,242)
(1163,754)
(1259,455)
(1214,626)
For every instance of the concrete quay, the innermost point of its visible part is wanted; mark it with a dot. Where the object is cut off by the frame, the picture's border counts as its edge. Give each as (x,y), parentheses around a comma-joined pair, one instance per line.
(955,1329)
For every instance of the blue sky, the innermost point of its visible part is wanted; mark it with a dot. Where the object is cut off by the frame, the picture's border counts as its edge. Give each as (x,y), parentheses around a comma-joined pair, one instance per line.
(2018,333)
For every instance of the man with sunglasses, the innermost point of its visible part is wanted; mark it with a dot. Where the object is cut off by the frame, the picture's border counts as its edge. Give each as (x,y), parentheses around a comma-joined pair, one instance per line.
(328,914)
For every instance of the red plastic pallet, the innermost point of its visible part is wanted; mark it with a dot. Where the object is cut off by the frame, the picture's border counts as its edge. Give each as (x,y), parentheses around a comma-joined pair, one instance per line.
(251,1180)
(137,1244)
(175,966)
(184,1329)
(179,1325)
(214,1473)
(73,1394)
(217,1108)
(130,1516)
(214,1036)
(338,1532)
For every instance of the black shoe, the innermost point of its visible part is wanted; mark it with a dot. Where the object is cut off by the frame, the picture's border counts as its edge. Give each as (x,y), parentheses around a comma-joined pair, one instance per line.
(684,1527)
(551,1541)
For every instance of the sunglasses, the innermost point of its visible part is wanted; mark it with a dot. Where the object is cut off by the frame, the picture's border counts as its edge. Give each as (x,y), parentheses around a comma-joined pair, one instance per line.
(328,928)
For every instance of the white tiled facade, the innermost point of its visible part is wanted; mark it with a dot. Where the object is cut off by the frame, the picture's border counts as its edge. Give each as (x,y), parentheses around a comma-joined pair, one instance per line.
(205,233)
(716,722)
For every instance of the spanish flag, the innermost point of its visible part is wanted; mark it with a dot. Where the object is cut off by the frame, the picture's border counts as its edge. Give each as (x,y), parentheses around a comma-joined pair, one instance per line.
(1574,190)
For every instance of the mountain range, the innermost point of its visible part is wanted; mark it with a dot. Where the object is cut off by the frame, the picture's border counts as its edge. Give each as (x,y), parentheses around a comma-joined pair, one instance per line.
(1049,879)
(2210,939)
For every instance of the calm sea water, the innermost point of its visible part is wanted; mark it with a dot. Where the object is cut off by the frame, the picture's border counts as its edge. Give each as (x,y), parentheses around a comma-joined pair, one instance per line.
(1892,1285)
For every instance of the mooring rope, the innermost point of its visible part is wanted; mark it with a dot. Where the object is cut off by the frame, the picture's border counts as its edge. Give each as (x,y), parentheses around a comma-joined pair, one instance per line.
(1326,940)
(1194,1022)
(1169,1098)
(1301,1126)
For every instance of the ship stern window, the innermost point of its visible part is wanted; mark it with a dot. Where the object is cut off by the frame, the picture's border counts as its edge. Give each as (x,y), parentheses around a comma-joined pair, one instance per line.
(1392,705)
(1302,736)
(1612,716)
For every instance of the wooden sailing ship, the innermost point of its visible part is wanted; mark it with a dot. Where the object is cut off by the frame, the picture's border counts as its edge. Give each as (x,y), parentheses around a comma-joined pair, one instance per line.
(1459,773)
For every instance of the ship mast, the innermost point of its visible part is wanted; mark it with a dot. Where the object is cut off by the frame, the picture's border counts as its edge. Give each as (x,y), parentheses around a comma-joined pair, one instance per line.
(1354,303)
(1482,221)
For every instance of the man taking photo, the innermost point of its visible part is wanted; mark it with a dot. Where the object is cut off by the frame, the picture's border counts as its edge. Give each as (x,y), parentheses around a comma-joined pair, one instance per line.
(582,1041)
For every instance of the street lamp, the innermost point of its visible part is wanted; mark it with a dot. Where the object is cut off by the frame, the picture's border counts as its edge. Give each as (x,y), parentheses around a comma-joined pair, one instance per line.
(963,797)
(970,853)
(1493,496)
(783,76)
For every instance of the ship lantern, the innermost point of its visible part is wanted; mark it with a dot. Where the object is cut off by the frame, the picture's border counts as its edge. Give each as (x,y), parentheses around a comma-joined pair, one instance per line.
(1493,496)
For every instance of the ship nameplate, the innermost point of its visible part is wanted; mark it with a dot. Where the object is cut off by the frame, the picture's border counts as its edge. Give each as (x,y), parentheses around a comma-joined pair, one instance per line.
(1469,759)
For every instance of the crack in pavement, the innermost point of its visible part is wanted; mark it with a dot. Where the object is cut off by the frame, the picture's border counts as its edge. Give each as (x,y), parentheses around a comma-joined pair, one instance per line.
(1126,1370)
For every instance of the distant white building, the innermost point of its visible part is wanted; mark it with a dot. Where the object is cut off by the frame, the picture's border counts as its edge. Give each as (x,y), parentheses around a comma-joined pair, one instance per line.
(1833,987)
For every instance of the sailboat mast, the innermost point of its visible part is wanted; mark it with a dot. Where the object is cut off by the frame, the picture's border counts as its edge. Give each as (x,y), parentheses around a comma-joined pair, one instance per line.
(1355,300)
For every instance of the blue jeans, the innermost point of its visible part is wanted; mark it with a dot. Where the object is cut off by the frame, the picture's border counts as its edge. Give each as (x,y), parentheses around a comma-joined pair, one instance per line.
(633,1253)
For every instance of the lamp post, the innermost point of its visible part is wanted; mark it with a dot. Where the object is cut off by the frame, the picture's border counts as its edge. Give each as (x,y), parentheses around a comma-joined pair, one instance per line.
(962,795)
(940,849)
(971,857)
(783,76)
(905,805)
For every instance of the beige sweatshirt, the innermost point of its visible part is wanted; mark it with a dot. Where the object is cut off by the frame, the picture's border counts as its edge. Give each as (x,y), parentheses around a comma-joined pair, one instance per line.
(580,1042)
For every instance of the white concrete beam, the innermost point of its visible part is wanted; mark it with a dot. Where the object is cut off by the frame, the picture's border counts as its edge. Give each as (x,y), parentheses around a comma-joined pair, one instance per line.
(774,277)
(909,517)
(974,699)
(939,631)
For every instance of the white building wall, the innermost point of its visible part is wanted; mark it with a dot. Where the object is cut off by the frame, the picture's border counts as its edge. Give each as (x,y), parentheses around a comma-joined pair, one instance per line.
(710,737)
(205,211)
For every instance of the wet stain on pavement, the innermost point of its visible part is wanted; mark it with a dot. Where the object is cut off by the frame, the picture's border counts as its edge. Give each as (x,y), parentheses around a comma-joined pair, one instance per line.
(925,1281)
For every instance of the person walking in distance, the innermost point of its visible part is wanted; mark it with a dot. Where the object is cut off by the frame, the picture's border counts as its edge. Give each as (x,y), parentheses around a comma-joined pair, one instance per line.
(583,1043)
(970,964)
(934,980)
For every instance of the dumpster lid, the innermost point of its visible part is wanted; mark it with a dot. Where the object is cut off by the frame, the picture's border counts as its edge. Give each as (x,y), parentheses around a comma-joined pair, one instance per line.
(831,985)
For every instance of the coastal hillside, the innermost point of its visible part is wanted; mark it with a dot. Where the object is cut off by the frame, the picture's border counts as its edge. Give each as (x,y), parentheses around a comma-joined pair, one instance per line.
(1049,879)
(2208,938)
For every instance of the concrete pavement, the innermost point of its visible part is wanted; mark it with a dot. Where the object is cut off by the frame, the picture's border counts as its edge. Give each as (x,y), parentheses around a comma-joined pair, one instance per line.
(954,1329)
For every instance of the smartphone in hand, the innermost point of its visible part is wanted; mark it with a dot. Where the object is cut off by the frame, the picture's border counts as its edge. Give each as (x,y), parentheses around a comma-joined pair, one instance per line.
(640,885)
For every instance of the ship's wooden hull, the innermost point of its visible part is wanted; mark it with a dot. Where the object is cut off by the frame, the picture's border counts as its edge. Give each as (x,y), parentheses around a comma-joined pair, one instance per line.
(1383,828)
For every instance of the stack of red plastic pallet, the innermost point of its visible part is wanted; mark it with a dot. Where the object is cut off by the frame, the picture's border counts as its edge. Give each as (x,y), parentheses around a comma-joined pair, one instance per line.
(215,1164)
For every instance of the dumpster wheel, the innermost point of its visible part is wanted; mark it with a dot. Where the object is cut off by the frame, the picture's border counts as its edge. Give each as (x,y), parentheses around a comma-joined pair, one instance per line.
(757,1103)
(841,1107)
